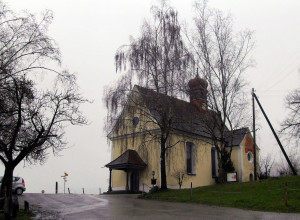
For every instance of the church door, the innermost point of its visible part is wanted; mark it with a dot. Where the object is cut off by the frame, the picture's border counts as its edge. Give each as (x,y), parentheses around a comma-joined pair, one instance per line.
(134,181)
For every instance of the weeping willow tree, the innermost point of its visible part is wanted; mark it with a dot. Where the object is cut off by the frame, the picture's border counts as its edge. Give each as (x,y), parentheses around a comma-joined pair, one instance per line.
(223,56)
(156,60)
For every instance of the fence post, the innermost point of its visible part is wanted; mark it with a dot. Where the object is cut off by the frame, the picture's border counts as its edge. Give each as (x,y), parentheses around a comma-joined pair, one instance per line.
(26,206)
(69,190)
(82,190)
(56,187)
(191,190)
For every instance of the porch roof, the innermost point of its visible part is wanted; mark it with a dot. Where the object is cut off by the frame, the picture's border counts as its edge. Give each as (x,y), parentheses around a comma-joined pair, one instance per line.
(130,159)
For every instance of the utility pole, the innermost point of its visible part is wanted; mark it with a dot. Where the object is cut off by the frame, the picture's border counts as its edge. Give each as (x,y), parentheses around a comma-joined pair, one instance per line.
(254,136)
(275,135)
(65,180)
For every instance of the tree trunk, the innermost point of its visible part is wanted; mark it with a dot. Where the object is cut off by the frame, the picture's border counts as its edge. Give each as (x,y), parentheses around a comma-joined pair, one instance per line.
(163,174)
(221,175)
(6,188)
(220,166)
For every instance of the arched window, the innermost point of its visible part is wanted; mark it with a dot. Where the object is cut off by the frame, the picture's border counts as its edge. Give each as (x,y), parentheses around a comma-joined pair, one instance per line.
(251,177)
(135,121)
(250,156)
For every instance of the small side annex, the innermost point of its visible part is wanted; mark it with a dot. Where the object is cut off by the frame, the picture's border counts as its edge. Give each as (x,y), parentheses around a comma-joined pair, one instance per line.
(131,163)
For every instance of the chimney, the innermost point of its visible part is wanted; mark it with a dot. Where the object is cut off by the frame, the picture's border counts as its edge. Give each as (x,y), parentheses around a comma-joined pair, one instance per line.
(198,93)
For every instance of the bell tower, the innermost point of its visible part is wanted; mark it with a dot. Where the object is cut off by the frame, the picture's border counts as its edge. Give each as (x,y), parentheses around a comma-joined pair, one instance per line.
(198,93)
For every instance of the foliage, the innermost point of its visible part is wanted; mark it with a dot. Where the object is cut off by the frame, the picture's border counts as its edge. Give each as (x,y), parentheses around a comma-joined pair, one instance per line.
(264,195)
(226,161)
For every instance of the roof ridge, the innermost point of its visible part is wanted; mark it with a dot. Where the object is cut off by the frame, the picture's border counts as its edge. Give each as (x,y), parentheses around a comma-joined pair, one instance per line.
(240,129)
(186,102)
(152,90)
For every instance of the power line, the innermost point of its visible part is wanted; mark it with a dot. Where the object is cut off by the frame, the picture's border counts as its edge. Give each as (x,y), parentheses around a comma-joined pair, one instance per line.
(284,77)
(287,65)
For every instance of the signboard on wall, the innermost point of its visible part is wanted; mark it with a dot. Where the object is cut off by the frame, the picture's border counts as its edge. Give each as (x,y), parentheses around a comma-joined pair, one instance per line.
(231,177)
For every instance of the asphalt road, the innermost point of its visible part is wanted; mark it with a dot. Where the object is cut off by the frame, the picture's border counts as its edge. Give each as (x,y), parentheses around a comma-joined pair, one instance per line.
(90,207)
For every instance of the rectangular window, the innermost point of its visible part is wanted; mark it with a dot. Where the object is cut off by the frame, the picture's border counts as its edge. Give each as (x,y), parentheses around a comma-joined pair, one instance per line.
(214,162)
(189,157)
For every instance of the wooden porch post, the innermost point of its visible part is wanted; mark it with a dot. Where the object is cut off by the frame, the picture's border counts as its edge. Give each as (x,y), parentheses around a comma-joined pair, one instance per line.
(109,188)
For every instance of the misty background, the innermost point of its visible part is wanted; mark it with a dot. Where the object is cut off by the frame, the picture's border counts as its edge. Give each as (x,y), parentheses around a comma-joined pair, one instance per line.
(89,33)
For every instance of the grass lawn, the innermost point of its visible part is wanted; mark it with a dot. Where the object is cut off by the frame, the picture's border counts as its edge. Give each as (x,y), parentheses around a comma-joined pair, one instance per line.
(263,195)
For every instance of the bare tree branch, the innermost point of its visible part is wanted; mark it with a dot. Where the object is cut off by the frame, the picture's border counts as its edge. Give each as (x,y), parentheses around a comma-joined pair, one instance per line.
(32,119)
(223,57)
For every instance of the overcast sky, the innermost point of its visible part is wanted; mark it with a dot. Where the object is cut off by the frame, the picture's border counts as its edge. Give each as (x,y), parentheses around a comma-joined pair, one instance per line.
(89,33)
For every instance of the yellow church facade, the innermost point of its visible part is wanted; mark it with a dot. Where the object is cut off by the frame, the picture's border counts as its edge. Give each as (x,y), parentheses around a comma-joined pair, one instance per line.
(135,152)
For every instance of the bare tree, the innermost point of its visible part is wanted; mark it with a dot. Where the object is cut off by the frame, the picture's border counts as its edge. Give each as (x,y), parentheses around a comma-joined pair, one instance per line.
(180,176)
(291,125)
(223,57)
(265,165)
(24,44)
(157,60)
(284,169)
(32,118)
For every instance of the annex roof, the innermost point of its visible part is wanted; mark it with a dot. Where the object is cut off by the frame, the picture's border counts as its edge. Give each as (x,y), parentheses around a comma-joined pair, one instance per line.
(237,136)
(130,159)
